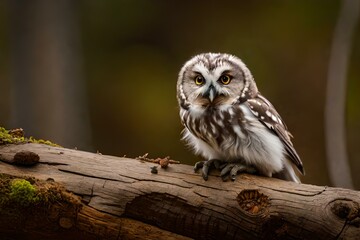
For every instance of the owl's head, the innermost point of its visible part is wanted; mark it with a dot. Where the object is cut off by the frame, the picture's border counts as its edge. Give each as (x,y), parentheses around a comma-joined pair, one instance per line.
(214,79)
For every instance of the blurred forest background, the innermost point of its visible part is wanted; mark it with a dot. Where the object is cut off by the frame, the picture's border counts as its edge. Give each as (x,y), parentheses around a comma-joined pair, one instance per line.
(101,75)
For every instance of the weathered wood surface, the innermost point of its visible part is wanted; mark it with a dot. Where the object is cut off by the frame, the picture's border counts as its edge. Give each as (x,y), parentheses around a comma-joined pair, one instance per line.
(122,199)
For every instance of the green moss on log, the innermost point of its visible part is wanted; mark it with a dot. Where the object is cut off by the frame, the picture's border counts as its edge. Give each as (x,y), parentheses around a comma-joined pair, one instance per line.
(16,136)
(43,208)
(28,191)
(23,192)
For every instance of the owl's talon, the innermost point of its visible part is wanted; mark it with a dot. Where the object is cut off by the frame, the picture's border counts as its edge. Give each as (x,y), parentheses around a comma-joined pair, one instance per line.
(223,165)
(206,165)
(233,178)
(205,170)
(226,169)
(204,173)
(233,169)
(198,165)
(225,177)
(217,164)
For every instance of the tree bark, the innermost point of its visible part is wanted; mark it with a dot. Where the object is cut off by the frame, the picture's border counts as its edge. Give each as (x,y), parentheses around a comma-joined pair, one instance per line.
(120,198)
(46,72)
(335,106)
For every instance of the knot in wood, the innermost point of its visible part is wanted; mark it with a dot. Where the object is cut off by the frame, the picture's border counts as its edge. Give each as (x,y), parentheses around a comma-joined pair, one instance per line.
(66,223)
(252,201)
(348,210)
(341,209)
(26,158)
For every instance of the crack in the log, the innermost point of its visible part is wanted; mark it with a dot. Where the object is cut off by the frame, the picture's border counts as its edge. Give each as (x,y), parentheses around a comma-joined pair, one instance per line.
(86,198)
(91,176)
(295,193)
(85,195)
(118,180)
(284,200)
(169,174)
(99,210)
(172,184)
(92,189)
(53,163)
(156,181)
(118,237)
(201,195)
(111,205)
(325,187)
(207,186)
(342,229)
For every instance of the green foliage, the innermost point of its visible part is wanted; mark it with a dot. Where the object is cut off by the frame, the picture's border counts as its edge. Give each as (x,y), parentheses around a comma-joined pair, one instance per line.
(24,198)
(42,141)
(6,137)
(22,192)
(18,193)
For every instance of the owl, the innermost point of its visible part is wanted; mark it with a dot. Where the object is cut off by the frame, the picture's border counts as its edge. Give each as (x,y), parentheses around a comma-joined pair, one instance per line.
(230,124)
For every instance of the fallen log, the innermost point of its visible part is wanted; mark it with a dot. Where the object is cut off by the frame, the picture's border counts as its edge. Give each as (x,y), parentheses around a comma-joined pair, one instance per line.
(107,197)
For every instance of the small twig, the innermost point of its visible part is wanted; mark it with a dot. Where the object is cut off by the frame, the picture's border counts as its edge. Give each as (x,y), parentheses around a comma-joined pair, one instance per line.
(143,157)
(164,162)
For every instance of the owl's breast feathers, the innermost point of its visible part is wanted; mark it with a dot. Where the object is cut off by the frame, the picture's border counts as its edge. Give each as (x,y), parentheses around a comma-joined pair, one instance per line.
(229,128)
(215,126)
(267,115)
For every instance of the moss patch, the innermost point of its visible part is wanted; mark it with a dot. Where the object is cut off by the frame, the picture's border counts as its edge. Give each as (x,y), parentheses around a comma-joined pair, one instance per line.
(28,191)
(25,195)
(29,205)
(23,192)
(16,136)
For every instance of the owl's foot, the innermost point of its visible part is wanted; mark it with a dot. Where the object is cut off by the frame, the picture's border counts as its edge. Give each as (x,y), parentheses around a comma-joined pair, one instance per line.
(232,169)
(206,165)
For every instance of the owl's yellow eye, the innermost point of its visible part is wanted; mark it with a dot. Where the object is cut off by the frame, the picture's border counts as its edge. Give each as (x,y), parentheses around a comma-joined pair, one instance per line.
(199,80)
(225,79)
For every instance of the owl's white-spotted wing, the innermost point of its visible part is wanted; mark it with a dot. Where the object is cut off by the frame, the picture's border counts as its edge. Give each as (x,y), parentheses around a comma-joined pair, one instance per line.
(266,113)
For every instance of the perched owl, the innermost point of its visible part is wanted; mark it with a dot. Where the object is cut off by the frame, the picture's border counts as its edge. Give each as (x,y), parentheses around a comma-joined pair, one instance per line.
(229,123)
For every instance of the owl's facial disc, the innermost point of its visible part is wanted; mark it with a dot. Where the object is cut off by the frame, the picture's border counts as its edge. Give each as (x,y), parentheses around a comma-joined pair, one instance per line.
(213,80)
(210,88)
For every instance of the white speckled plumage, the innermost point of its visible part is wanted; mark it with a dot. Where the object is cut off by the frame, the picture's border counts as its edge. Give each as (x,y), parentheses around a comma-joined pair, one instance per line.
(230,121)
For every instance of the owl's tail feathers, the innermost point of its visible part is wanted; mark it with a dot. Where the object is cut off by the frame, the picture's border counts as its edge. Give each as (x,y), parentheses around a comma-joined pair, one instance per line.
(287,173)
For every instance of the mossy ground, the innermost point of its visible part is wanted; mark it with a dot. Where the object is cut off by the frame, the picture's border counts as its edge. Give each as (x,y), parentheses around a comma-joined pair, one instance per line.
(28,191)
(29,205)
(23,192)
(35,209)
(16,136)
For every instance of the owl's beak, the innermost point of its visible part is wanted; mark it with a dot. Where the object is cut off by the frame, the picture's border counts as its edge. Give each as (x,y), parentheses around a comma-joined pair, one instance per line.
(210,93)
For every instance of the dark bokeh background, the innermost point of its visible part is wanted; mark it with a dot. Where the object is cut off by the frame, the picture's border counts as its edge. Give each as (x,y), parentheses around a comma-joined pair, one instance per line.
(124,57)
